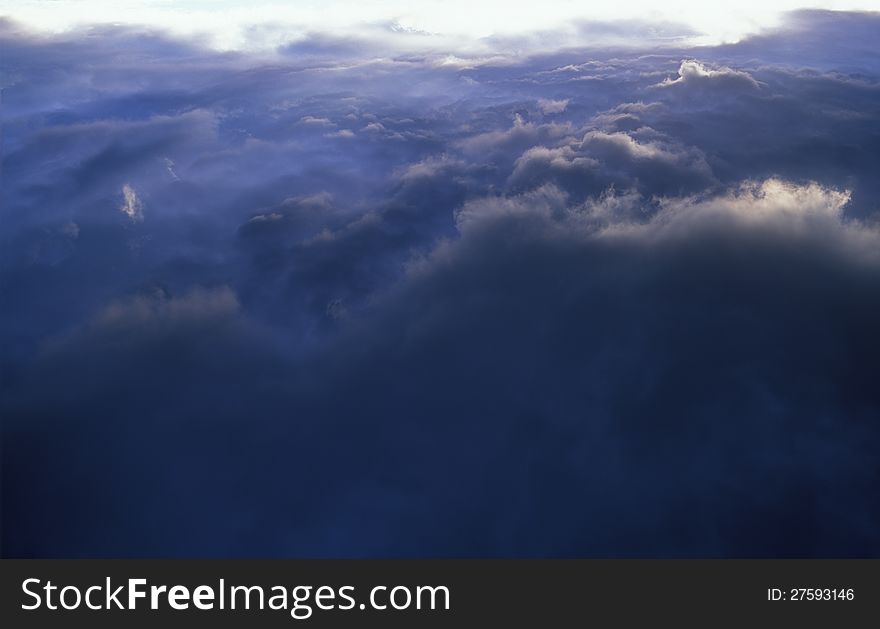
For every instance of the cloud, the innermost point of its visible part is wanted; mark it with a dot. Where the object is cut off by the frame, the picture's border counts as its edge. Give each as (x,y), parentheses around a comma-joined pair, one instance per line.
(521,135)
(773,204)
(525,299)
(431,167)
(131,205)
(318,122)
(660,360)
(772,200)
(156,307)
(548,106)
(563,165)
(694,73)
(342,133)
(649,160)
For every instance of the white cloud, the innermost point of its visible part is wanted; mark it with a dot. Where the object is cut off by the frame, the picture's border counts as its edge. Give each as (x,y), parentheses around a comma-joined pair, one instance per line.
(548,106)
(563,158)
(266,218)
(265,23)
(628,145)
(131,205)
(342,133)
(773,205)
(693,72)
(317,122)
(429,167)
(772,200)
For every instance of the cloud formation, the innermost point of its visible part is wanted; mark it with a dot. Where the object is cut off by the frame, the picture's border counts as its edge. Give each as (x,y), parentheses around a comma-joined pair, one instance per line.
(331,301)
(694,73)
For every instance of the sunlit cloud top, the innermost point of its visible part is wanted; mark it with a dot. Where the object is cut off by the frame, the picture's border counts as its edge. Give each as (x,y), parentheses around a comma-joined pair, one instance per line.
(240,24)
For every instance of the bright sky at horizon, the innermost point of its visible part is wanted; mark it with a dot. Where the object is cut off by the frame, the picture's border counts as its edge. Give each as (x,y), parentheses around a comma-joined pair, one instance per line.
(259,23)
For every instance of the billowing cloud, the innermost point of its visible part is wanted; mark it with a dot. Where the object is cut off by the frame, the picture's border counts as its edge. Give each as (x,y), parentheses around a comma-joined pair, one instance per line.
(694,73)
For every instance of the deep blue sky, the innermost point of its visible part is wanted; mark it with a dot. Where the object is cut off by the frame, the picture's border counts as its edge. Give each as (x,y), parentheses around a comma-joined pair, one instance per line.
(346,296)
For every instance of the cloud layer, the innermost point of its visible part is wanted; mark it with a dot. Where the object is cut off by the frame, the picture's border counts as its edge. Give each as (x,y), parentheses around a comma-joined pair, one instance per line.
(338,302)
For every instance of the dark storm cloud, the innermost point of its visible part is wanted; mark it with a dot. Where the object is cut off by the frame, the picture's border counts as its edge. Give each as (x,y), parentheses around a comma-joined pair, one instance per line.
(345,300)
(658,387)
